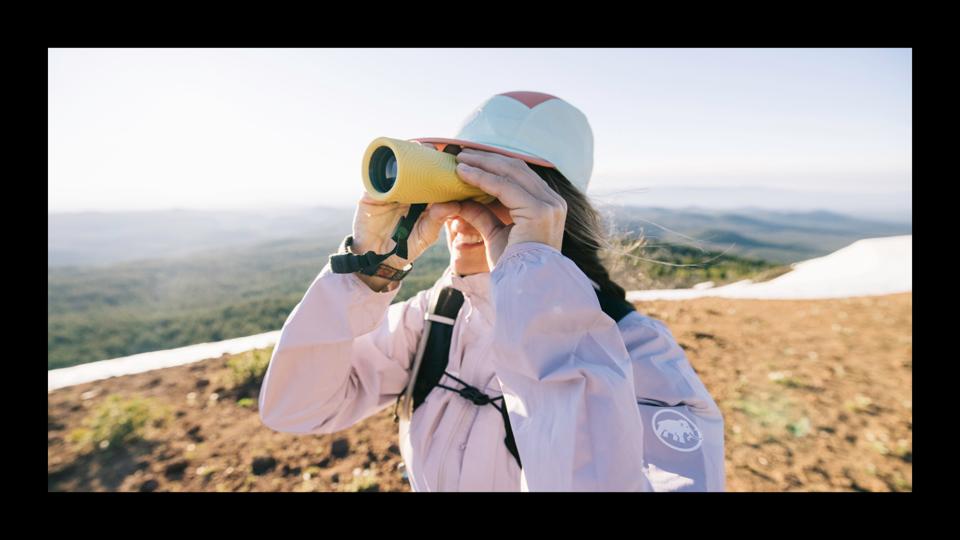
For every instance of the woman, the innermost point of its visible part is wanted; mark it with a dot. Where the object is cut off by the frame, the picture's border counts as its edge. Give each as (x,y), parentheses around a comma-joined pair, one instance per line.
(594,404)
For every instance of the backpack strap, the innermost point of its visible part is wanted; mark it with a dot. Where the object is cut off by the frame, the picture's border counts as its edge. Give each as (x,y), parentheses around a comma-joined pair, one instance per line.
(479,398)
(441,317)
(433,355)
(616,308)
(433,351)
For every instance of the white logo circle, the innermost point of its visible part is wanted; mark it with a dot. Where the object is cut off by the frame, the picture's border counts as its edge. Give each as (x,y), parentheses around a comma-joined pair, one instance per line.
(682,432)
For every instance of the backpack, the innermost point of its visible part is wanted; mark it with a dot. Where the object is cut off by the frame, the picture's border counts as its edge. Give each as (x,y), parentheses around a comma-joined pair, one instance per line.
(433,354)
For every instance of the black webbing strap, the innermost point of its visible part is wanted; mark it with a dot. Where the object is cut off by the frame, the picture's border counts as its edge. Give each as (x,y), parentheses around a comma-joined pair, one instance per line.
(480,399)
(615,307)
(437,353)
(436,356)
(445,302)
(346,263)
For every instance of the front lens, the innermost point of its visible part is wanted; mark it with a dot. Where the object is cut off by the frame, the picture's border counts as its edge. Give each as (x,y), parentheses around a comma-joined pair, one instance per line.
(390,169)
(383,169)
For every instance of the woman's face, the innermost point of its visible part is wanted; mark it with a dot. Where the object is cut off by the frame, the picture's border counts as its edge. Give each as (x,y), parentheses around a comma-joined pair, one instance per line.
(467,251)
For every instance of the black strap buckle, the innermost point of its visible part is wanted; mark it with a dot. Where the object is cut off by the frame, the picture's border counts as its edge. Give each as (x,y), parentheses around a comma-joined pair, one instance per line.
(346,263)
(475,395)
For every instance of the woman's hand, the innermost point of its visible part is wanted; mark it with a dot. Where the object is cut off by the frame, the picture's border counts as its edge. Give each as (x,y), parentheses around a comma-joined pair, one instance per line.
(538,212)
(373,225)
(374,222)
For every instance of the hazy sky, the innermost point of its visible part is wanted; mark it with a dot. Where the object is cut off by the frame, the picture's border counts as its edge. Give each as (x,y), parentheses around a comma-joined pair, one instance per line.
(210,128)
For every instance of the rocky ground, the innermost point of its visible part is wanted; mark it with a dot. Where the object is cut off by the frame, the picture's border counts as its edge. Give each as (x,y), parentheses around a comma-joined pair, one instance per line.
(816,395)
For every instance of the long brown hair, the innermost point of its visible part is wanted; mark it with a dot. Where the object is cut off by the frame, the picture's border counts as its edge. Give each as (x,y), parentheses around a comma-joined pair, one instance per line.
(583,233)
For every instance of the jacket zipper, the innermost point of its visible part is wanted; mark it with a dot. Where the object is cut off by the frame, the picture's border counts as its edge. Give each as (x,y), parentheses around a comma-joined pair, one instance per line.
(456,428)
(467,407)
(446,451)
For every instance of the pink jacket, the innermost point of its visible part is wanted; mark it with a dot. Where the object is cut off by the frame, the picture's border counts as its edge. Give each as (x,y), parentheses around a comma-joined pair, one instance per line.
(594,405)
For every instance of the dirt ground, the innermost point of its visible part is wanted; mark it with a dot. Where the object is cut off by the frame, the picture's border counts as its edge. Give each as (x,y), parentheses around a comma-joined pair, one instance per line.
(816,396)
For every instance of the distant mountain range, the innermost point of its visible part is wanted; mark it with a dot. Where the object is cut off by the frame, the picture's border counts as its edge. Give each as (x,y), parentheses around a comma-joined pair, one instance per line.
(97,239)
(781,237)
(119,284)
(890,206)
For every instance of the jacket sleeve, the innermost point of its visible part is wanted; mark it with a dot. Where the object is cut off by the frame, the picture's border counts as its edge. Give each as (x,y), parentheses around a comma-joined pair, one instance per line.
(342,355)
(566,376)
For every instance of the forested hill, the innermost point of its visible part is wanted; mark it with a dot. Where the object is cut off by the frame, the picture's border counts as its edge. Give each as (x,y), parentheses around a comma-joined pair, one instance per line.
(190,292)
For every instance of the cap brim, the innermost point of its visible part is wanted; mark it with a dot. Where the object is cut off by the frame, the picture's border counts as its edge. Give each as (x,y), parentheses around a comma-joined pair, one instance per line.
(489,148)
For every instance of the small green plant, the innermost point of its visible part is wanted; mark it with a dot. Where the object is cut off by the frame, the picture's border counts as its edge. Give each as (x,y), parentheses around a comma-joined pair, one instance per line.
(206,472)
(904,450)
(770,413)
(363,480)
(800,428)
(790,382)
(785,378)
(249,368)
(116,422)
(860,404)
(245,402)
(901,483)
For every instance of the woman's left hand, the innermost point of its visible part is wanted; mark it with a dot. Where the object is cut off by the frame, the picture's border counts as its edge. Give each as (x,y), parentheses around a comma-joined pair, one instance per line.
(538,212)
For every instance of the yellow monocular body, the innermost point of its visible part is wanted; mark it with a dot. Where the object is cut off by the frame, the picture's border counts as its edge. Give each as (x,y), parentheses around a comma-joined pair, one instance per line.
(400,171)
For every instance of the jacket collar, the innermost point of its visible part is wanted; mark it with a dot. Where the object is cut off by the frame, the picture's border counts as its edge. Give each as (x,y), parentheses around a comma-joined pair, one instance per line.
(474,286)
(475,289)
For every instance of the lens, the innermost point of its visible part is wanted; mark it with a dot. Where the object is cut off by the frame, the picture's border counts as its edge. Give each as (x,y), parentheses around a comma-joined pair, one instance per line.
(390,170)
(383,169)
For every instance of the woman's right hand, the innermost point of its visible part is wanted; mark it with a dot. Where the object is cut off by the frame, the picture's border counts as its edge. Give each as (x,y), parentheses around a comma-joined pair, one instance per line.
(374,222)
